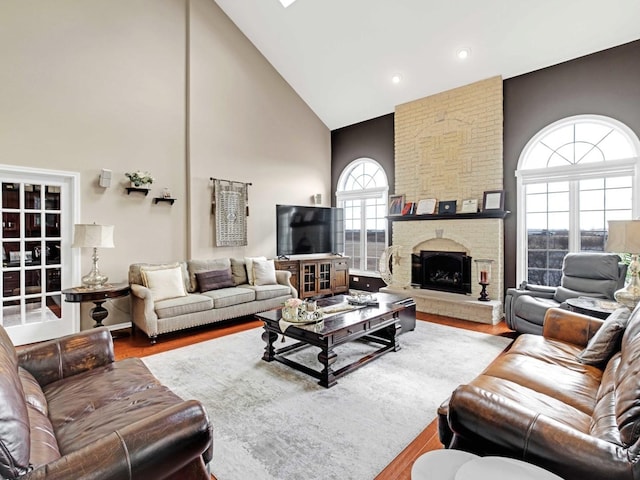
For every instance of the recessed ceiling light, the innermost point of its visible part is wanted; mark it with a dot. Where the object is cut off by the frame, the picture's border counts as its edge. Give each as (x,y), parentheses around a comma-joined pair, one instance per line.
(463,53)
(286,3)
(397,78)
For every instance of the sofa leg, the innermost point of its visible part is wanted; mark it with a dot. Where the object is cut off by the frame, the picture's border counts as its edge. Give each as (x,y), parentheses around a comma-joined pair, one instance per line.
(153,339)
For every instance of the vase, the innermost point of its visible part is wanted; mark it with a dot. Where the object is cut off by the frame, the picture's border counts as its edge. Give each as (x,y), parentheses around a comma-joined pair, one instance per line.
(146,186)
(290,314)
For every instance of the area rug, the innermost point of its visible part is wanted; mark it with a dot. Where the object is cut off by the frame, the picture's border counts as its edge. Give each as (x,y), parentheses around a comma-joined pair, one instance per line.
(274,423)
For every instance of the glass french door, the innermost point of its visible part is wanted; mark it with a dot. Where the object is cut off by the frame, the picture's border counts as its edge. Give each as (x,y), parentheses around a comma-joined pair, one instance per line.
(36,229)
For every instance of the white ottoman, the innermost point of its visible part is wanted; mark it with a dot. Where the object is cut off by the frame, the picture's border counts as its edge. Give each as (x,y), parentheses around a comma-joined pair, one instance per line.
(440,464)
(502,468)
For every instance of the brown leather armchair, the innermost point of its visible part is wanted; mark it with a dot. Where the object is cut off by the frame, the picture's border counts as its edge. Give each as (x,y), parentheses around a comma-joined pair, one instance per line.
(69,411)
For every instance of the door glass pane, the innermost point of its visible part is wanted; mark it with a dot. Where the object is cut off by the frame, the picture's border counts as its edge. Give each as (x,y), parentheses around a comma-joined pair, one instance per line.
(30,234)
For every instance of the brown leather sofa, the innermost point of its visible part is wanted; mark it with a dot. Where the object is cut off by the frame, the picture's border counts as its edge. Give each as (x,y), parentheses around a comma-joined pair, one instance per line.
(69,411)
(539,403)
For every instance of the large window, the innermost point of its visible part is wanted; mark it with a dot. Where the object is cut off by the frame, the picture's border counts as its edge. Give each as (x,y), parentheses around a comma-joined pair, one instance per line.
(362,192)
(573,177)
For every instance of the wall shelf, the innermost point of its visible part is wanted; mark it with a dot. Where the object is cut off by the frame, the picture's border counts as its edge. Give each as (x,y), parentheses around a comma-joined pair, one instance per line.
(164,199)
(457,216)
(137,189)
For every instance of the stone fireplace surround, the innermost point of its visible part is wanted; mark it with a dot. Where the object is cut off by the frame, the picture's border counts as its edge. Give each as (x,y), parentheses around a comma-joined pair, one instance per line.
(480,238)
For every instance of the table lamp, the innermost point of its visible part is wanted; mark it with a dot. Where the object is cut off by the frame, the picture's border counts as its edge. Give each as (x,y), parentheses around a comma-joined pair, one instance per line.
(93,236)
(624,237)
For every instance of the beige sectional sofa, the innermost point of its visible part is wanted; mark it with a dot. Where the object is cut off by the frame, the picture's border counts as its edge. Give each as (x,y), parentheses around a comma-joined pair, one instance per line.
(170,297)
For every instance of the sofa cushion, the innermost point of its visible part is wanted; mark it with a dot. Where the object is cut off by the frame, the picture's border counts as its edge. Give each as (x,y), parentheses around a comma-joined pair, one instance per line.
(214,279)
(138,395)
(239,271)
(266,292)
(227,297)
(164,283)
(248,261)
(195,266)
(15,435)
(192,303)
(264,272)
(606,341)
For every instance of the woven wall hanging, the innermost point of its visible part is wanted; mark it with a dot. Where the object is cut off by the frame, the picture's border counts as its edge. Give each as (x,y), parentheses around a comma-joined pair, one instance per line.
(230,202)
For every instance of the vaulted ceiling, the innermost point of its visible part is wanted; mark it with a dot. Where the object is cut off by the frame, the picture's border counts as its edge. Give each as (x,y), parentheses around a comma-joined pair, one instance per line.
(340,56)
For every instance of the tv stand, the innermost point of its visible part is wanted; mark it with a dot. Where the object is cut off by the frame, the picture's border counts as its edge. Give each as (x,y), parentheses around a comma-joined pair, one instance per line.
(317,276)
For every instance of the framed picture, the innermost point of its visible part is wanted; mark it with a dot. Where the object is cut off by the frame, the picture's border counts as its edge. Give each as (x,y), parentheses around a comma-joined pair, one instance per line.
(493,200)
(409,208)
(447,208)
(426,206)
(469,206)
(396,202)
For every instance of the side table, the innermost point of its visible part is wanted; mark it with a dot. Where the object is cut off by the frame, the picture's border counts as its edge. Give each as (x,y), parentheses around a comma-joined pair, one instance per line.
(594,307)
(98,296)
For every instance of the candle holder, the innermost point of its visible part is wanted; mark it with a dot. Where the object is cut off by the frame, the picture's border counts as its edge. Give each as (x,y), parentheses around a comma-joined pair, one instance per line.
(483,267)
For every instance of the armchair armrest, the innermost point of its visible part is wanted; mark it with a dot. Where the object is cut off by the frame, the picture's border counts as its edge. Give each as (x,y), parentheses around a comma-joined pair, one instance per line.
(570,327)
(529,435)
(542,291)
(155,447)
(69,355)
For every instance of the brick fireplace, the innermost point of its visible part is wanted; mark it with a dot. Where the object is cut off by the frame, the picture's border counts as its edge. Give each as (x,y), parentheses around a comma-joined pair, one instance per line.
(449,147)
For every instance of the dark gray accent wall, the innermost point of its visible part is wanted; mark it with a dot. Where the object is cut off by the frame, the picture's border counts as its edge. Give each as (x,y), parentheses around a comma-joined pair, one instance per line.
(372,139)
(604,83)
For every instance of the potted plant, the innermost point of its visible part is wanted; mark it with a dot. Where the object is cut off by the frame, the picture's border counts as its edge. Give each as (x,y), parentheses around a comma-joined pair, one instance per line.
(140,179)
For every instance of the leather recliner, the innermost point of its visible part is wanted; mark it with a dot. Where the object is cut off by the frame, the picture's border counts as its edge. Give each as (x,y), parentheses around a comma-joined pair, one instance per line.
(583,274)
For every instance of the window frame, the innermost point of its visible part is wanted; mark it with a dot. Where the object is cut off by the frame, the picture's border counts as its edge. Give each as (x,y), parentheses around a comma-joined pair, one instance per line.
(378,192)
(572,174)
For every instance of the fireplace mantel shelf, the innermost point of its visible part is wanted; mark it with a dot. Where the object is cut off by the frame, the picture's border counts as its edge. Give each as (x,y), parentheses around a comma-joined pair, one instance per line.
(457,216)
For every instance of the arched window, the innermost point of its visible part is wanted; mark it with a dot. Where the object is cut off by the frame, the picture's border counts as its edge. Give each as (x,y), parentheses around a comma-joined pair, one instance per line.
(573,176)
(362,191)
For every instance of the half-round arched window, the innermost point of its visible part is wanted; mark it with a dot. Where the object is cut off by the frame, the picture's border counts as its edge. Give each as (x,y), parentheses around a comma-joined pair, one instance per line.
(362,192)
(573,177)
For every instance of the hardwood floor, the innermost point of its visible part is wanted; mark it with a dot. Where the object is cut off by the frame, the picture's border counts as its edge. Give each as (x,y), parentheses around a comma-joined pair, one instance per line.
(400,468)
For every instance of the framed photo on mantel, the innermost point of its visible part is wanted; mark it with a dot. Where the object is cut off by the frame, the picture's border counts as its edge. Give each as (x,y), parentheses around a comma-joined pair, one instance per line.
(493,200)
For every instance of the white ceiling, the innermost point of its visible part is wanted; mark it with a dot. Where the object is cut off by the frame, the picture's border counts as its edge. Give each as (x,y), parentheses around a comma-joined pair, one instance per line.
(340,55)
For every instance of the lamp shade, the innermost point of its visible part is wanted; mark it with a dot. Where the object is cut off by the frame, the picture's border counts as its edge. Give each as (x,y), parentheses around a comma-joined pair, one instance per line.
(93,236)
(624,236)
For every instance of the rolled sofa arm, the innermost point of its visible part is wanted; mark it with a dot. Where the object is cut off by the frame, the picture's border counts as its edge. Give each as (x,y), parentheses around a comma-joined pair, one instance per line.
(283,277)
(487,418)
(69,355)
(570,327)
(143,309)
(155,447)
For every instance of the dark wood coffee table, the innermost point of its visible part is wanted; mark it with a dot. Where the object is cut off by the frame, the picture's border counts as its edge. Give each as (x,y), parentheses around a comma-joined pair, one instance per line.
(379,324)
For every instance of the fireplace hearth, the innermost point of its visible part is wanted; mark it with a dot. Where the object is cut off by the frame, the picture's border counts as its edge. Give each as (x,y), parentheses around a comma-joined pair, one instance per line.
(443,271)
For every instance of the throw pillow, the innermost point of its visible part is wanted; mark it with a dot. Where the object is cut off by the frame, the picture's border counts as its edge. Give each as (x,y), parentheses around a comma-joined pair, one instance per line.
(214,280)
(606,341)
(264,272)
(248,261)
(239,271)
(164,283)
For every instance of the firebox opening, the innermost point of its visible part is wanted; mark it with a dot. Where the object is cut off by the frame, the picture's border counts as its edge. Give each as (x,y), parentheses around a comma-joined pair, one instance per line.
(444,271)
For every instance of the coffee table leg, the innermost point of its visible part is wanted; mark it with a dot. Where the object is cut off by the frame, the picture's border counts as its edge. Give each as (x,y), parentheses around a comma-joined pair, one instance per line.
(397,329)
(327,357)
(269,350)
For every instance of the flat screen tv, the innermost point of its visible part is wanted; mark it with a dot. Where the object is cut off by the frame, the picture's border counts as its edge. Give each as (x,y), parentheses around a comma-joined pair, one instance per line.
(304,230)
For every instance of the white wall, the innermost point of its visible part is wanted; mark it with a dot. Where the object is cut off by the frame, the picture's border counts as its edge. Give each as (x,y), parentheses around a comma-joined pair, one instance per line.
(92,84)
